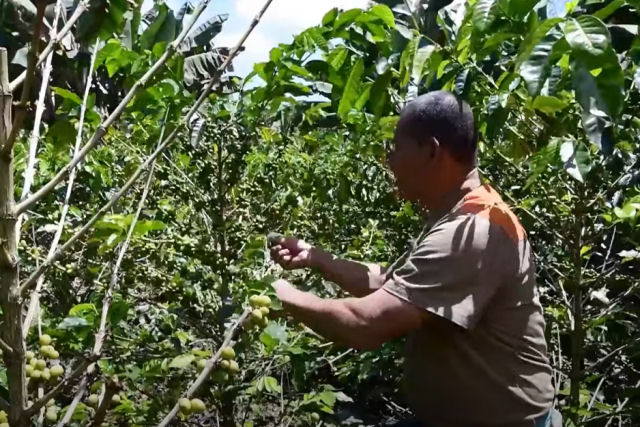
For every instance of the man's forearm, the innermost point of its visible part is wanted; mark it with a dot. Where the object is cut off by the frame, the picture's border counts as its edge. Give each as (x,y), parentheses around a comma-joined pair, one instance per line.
(333,319)
(358,279)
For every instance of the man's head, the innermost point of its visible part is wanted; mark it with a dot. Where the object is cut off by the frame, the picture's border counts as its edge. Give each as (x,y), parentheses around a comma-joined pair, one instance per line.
(434,147)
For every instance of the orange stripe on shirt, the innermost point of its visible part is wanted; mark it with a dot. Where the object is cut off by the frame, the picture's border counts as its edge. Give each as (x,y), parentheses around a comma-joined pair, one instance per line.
(485,202)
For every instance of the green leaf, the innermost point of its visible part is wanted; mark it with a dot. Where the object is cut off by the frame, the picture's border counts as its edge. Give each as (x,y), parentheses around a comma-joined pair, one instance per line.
(406,60)
(346,18)
(419,59)
(549,104)
(587,34)
(533,38)
(461,84)
(61,134)
(67,95)
(577,161)
(365,92)
(337,57)
(535,69)
(601,97)
(517,9)
(118,312)
(82,310)
(182,361)
(73,323)
(350,94)
(315,36)
(609,9)
(273,335)
(271,385)
(379,95)
(484,14)
(628,211)
(383,12)
(330,17)
(297,69)
(328,398)
(143,227)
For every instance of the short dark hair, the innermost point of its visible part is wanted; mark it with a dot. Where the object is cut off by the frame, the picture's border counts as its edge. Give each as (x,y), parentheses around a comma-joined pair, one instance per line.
(442,115)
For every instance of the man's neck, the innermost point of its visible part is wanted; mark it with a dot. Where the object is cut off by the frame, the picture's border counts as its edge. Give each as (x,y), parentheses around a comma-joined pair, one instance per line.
(459,187)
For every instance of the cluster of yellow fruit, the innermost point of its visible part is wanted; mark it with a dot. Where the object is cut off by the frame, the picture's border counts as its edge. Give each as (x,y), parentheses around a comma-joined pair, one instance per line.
(51,414)
(37,369)
(4,420)
(260,313)
(228,364)
(192,406)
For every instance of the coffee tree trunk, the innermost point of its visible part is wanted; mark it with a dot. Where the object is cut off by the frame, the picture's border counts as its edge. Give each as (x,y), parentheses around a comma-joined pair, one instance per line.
(9,267)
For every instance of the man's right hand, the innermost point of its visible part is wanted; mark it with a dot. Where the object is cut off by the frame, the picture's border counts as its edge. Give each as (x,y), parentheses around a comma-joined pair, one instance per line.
(291,252)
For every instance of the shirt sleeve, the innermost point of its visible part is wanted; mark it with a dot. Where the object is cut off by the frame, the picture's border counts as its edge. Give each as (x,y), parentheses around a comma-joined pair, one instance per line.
(454,271)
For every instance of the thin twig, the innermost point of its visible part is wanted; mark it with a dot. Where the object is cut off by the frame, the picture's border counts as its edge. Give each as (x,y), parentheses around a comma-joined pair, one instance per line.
(35,296)
(5,347)
(606,258)
(23,205)
(82,7)
(168,141)
(612,353)
(210,365)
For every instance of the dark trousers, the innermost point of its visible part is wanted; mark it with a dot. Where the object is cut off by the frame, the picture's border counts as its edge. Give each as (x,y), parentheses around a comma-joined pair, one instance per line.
(408,423)
(552,418)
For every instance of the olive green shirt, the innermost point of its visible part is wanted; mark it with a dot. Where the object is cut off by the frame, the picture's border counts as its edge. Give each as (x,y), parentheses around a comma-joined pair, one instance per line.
(481,358)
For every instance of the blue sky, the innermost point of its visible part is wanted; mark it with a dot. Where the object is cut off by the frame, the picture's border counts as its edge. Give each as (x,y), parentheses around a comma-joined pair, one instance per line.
(283,19)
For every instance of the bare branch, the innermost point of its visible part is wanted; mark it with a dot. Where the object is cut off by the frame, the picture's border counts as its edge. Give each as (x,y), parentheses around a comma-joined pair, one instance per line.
(5,347)
(102,129)
(61,386)
(23,105)
(185,120)
(112,388)
(40,421)
(30,170)
(74,403)
(82,7)
(35,296)
(35,133)
(210,365)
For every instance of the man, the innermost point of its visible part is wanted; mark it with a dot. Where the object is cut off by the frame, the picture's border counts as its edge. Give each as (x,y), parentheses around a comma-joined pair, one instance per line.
(464,293)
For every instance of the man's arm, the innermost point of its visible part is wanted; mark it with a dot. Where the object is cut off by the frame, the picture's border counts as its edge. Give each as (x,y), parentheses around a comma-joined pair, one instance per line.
(359,279)
(361,323)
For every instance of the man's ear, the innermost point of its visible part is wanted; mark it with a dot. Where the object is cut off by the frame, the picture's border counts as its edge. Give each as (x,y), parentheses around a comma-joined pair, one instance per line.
(435,147)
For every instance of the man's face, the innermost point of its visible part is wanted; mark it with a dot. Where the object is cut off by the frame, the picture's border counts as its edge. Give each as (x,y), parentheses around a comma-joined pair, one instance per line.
(411,164)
